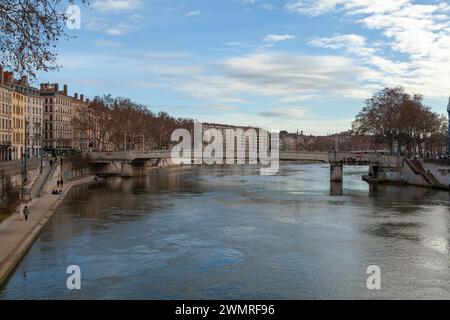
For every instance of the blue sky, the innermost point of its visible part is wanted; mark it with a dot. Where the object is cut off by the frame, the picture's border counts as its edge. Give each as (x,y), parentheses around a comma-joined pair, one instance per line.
(296,64)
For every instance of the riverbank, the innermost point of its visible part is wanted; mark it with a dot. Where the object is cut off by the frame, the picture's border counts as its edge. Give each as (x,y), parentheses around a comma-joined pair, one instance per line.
(17,235)
(430,173)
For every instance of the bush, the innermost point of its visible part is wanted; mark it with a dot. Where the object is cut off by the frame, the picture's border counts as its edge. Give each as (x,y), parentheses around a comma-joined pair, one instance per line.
(9,194)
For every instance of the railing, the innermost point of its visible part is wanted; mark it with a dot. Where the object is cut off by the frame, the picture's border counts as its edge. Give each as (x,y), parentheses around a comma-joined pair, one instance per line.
(5,144)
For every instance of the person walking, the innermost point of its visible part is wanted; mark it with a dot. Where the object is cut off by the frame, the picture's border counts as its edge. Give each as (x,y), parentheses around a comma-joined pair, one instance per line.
(25,212)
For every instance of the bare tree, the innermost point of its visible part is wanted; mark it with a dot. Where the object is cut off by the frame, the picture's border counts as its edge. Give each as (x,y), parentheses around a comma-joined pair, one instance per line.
(128,125)
(392,115)
(29,32)
(9,194)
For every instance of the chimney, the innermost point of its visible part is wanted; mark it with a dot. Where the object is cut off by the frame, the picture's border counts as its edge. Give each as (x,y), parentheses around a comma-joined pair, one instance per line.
(82,97)
(88,100)
(7,77)
(24,81)
(56,86)
(65,89)
(75,95)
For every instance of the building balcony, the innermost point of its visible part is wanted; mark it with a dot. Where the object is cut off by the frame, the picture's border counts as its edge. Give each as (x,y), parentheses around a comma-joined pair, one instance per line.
(5,144)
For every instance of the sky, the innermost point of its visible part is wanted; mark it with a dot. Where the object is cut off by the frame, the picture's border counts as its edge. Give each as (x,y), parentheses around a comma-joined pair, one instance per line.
(281,65)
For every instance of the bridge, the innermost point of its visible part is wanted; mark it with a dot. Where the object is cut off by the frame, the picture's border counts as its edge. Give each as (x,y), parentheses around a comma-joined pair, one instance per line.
(361,157)
(130,163)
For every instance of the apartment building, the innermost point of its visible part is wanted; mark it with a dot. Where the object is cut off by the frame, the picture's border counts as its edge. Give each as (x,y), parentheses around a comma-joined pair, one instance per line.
(18,127)
(32,116)
(17,117)
(21,118)
(244,142)
(5,120)
(81,123)
(57,119)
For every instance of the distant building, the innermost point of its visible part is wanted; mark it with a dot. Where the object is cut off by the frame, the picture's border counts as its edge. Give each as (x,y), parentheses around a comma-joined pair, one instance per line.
(241,142)
(289,141)
(344,141)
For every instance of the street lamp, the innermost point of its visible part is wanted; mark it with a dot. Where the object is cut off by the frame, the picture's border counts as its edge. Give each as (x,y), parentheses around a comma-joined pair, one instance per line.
(25,153)
(39,136)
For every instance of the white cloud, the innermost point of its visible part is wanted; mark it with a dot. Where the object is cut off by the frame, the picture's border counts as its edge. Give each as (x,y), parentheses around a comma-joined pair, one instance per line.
(115,28)
(268,6)
(318,7)
(278,37)
(311,7)
(351,42)
(116,5)
(115,31)
(287,112)
(193,13)
(107,43)
(280,75)
(415,40)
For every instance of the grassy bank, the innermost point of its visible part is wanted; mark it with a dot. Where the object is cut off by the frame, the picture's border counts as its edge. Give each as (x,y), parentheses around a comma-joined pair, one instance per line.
(3,216)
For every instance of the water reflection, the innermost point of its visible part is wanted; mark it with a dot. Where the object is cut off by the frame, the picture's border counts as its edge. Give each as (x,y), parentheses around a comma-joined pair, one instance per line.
(230,233)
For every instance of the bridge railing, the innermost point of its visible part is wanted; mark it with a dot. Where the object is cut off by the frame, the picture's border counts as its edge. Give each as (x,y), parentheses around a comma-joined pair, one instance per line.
(346,157)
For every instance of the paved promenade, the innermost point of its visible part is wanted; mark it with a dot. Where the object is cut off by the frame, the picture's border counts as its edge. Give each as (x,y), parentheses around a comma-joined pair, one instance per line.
(17,235)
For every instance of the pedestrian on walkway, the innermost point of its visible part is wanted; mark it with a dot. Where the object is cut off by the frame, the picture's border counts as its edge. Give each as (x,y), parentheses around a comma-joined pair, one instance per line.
(61,183)
(57,183)
(25,212)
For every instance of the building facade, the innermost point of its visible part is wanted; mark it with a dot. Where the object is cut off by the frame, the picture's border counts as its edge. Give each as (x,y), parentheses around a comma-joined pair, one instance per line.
(5,121)
(18,127)
(57,119)
(32,117)
(81,123)
(21,118)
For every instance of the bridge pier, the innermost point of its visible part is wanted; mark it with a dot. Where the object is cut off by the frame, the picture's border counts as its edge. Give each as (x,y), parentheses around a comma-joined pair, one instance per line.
(336,189)
(132,170)
(336,171)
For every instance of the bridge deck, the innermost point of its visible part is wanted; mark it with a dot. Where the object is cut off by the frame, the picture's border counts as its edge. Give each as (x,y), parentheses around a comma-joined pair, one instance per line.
(345,157)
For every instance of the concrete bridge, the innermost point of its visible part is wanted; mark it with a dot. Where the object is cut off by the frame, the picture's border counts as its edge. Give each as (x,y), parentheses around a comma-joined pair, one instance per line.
(139,156)
(346,157)
(131,163)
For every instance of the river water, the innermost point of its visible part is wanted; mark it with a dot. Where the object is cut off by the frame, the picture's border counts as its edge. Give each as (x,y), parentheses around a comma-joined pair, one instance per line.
(211,233)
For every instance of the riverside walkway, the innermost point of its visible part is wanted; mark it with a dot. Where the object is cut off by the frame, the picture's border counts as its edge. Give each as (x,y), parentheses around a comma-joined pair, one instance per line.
(17,235)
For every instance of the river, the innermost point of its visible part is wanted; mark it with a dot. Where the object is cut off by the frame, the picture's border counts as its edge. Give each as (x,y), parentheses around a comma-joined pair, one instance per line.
(212,233)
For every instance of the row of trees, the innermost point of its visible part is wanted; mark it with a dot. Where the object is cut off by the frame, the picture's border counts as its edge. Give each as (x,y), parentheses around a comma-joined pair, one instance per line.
(404,123)
(127,125)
